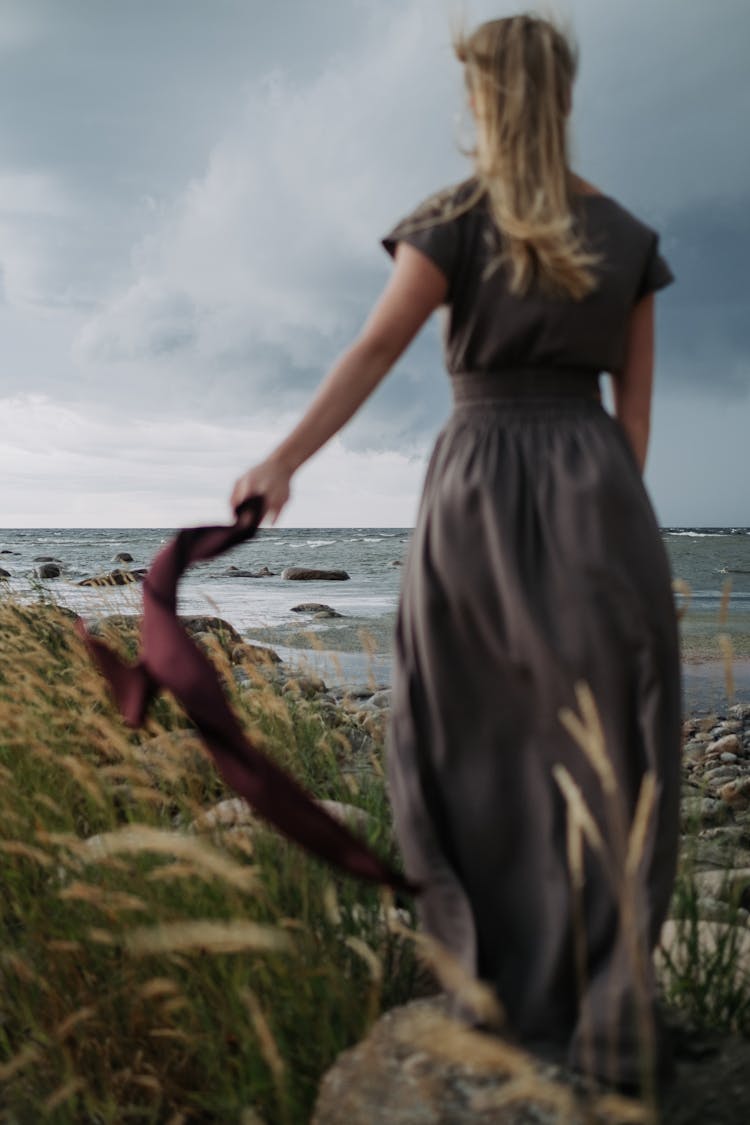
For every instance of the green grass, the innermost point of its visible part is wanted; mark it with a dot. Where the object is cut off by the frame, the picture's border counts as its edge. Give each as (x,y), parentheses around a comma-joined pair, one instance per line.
(91,1030)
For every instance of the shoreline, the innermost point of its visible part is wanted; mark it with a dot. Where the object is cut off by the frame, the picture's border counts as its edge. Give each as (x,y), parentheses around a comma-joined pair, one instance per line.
(704,674)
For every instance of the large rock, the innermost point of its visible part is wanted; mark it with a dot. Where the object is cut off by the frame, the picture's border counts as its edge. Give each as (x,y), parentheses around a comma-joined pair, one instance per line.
(417,1067)
(207,624)
(253,654)
(308,574)
(48,570)
(4,574)
(316,608)
(114,578)
(123,557)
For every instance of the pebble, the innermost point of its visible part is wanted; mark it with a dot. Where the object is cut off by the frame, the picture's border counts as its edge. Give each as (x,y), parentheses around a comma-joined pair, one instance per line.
(729,744)
(721,773)
(707,810)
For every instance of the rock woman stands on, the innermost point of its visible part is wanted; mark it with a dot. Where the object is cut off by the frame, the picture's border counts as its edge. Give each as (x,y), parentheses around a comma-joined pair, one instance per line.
(536,564)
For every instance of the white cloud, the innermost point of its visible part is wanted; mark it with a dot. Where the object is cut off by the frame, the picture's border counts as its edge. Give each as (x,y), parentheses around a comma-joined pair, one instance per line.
(166,474)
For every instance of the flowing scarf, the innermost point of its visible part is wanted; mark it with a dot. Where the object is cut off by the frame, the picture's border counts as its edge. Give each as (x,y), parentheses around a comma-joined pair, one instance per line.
(170,660)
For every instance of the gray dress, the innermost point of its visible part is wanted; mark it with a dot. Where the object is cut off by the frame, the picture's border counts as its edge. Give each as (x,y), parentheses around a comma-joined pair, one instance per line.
(536,562)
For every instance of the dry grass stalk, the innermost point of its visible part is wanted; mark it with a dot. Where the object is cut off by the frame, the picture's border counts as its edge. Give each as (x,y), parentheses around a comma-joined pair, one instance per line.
(644,810)
(268,1047)
(623,1111)
(450,1040)
(455,979)
(621,859)
(680,586)
(158,987)
(581,814)
(63,1094)
(235,936)
(136,839)
(331,904)
(47,802)
(26,851)
(102,899)
(727,655)
(100,936)
(25,1057)
(574,842)
(173,1033)
(61,945)
(147,1082)
(22,969)
(74,1020)
(367,955)
(587,731)
(85,776)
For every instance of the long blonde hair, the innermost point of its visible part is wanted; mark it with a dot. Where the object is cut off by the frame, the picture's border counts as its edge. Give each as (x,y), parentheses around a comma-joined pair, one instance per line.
(519,74)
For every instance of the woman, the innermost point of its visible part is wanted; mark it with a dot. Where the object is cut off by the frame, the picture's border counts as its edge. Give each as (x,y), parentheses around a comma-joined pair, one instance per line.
(536,562)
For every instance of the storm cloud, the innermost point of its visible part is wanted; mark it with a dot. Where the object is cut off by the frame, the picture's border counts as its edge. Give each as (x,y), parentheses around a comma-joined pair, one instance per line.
(191,199)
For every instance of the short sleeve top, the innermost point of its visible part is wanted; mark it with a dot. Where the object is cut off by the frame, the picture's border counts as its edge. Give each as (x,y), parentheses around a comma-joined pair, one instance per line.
(490,329)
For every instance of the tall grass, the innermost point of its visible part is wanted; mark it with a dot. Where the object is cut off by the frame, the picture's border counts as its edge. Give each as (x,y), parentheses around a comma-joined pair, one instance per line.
(152,972)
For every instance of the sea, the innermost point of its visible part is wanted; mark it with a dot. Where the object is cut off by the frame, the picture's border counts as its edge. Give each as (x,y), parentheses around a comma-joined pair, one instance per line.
(713,563)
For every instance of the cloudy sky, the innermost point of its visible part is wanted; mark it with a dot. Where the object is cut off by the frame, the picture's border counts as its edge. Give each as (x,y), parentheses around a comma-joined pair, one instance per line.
(191,195)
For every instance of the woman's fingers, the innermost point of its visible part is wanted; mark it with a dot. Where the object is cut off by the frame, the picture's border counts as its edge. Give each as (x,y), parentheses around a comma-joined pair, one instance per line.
(266,480)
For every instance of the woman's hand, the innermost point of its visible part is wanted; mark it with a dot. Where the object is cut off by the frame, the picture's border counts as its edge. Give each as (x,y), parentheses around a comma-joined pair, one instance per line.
(270,479)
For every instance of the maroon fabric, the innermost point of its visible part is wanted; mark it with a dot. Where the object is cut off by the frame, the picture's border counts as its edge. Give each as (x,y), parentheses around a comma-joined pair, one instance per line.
(170,659)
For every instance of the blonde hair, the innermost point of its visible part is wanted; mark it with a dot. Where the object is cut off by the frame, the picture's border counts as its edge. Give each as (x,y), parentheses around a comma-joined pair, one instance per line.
(519,74)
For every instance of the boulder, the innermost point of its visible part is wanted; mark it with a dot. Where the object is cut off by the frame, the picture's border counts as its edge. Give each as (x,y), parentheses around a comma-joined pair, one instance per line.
(309,574)
(123,557)
(207,624)
(47,558)
(115,578)
(418,1067)
(253,654)
(48,570)
(4,574)
(315,607)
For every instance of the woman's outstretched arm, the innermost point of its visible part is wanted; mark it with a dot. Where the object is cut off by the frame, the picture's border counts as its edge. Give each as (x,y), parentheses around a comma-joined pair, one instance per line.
(416,288)
(632,388)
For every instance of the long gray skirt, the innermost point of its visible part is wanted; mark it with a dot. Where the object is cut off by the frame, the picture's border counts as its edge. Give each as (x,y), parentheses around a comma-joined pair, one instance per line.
(536,562)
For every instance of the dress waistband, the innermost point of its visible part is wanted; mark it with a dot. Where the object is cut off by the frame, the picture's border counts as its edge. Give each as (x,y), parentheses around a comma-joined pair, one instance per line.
(474,387)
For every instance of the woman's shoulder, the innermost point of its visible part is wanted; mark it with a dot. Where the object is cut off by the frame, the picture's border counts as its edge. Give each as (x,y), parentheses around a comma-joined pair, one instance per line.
(634,244)
(447,203)
(614,213)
